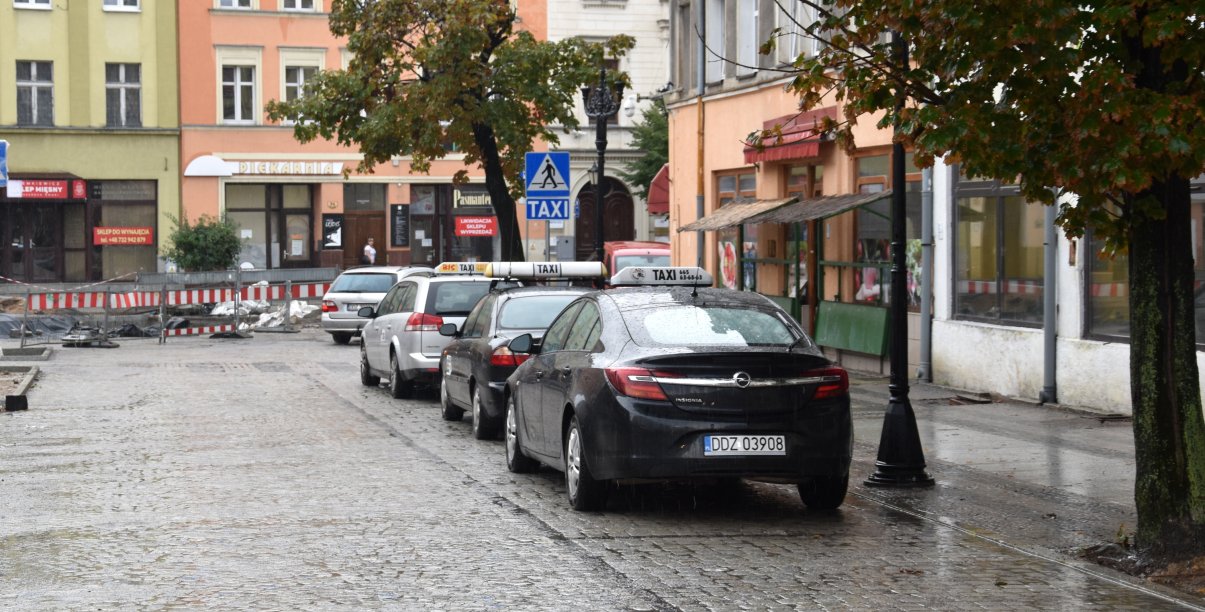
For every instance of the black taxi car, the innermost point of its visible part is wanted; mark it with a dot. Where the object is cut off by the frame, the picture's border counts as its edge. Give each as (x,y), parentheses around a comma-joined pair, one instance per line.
(477,362)
(673,380)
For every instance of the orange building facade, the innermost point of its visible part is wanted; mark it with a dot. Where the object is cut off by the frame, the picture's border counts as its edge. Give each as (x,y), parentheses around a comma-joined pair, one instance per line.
(291,202)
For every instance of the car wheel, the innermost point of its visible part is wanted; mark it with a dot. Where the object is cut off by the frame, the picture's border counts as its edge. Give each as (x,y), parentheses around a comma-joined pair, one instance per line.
(483,427)
(585,492)
(516,461)
(824,492)
(448,410)
(341,337)
(399,387)
(367,378)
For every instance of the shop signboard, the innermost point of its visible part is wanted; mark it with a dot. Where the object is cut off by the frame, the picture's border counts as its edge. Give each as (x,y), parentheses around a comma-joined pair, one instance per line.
(123,236)
(332,231)
(399,214)
(476,226)
(37,189)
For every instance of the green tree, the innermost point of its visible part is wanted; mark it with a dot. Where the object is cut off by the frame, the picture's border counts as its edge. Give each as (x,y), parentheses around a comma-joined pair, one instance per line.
(1101,99)
(209,243)
(650,135)
(428,73)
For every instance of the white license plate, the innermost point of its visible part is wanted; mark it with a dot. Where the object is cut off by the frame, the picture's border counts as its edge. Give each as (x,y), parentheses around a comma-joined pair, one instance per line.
(356,307)
(714,445)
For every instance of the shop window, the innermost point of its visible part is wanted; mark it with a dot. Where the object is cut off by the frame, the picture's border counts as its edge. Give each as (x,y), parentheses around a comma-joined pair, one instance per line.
(35,93)
(121,204)
(123,95)
(729,187)
(998,255)
(1107,279)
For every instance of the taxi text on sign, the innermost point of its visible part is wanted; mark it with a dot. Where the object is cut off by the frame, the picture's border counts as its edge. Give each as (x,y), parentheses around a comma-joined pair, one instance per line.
(546,178)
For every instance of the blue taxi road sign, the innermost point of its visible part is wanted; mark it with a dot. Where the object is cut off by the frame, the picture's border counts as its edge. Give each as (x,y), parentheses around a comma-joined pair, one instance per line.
(546,177)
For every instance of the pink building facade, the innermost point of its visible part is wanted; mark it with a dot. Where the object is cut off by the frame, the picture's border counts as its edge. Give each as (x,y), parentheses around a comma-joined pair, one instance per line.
(291,202)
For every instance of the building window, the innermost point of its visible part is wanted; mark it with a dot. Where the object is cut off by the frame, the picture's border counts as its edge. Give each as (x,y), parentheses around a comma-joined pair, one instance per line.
(35,93)
(364,197)
(238,94)
(998,255)
(793,40)
(38,4)
(235,4)
(747,36)
(123,95)
(121,5)
(295,80)
(715,51)
(297,5)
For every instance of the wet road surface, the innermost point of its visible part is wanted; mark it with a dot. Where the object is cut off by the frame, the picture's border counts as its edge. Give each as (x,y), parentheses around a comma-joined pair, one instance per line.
(260,474)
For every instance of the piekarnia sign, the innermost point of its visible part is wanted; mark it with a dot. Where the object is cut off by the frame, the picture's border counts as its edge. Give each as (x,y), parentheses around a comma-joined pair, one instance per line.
(129,236)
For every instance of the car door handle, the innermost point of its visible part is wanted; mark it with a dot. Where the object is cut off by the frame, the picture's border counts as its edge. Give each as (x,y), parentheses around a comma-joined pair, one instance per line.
(566,369)
(539,374)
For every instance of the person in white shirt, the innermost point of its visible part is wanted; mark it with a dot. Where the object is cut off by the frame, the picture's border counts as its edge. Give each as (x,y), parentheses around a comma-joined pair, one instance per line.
(370,254)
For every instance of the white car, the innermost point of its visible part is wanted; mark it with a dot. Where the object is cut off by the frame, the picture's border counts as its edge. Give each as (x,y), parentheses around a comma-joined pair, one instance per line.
(355,289)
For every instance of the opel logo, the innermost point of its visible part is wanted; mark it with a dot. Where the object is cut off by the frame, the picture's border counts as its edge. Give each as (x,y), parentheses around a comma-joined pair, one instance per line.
(742,379)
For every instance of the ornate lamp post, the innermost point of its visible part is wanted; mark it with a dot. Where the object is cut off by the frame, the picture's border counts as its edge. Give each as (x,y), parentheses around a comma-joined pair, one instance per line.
(600,104)
(901,460)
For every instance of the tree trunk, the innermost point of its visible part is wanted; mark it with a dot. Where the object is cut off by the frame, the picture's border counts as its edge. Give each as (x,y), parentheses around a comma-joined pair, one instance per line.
(495,184)
(1169,430)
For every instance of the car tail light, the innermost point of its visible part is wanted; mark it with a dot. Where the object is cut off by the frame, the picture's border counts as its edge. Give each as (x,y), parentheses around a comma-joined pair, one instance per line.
(636,382)
(834,382)
(329,306)
(503,356)
(421,321)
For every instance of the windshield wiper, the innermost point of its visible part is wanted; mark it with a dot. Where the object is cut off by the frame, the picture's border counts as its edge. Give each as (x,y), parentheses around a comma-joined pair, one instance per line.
(792,345)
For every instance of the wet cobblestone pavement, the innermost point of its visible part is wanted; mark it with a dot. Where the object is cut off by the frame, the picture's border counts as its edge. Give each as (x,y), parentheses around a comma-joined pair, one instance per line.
(258,474)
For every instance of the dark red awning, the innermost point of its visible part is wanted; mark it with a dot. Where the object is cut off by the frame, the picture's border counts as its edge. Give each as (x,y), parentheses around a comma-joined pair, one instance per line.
(800,137)
(659,192)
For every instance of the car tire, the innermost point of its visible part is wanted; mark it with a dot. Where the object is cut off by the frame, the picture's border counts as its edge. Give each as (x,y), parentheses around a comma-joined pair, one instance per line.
(483,427)
(824,492)
(341,337)
(367,378)
(399,387)
(516,461)
(586,494)
(448,410)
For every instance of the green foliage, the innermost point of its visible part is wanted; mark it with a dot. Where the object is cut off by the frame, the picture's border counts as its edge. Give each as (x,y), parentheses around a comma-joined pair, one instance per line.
(650,135)
(1103,99)
(207,244)
(425,73)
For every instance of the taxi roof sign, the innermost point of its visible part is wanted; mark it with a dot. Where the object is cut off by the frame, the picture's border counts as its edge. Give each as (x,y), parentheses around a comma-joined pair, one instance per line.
(632,276)
(462,267)
(546,269)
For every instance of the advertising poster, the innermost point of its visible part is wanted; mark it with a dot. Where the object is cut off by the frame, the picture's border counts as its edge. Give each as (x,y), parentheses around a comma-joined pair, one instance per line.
(332,231)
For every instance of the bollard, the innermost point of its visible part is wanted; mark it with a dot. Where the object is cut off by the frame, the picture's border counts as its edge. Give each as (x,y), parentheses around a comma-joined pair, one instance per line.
(288,305)
(25,316)
(163,315)
(104,328)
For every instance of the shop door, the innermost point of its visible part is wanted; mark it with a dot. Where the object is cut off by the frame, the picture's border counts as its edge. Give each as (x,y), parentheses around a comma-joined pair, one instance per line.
(358,227)
(33,247)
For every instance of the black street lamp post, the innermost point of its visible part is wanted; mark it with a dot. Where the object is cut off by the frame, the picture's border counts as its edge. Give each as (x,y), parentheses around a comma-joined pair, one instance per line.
(600,105)
(901,461)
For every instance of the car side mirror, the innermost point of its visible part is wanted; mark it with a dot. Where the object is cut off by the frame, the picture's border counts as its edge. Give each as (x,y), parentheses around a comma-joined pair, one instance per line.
(523,344)
(448,329)
(368,312)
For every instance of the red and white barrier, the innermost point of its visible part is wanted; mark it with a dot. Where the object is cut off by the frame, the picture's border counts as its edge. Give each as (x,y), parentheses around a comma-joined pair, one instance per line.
(1012,287)
(146,299)
(198,331)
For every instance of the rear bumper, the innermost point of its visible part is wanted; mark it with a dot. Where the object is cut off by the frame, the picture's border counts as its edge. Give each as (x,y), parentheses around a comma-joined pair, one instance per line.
(627,440)
(330,325)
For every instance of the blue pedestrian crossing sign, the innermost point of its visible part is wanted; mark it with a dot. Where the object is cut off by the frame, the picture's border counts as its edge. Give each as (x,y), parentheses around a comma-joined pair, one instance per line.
(547,179)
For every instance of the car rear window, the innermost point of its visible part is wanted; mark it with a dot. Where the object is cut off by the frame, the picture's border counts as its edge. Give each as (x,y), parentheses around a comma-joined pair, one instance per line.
(455,298)
(625,261)
(532,312)
(364,283)
(686,325)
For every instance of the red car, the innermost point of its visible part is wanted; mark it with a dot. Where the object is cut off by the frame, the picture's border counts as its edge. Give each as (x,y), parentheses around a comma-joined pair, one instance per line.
(620,254)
